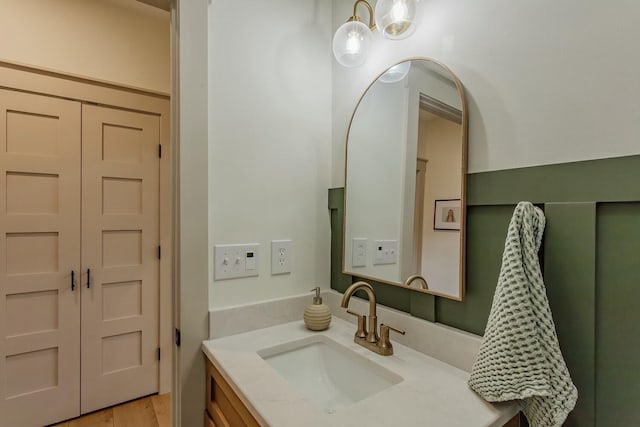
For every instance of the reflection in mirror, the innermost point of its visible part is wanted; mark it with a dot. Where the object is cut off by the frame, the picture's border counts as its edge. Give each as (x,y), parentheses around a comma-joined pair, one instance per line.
(405,180)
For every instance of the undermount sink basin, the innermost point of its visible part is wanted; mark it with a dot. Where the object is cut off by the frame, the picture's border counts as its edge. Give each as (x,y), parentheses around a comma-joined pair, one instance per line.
(330,375)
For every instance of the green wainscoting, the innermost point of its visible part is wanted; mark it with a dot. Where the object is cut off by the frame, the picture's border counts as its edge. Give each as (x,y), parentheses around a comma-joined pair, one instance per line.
(569,275)
(617,336)
(591,263)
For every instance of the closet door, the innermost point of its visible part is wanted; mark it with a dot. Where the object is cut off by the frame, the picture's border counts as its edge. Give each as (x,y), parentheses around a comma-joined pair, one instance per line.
(39,250)
(120,266)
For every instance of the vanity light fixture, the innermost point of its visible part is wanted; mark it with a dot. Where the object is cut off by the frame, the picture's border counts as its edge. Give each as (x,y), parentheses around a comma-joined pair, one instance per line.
(396,73)
(396,19)
(352,40)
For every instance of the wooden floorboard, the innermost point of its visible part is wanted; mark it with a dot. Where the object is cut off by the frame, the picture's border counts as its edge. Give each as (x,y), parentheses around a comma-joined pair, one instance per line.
(151,411)
(138,413)
(162,408)
(102,418)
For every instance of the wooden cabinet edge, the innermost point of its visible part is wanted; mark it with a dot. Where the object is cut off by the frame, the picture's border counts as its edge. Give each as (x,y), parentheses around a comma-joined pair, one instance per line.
(513,422)
(208,422)
(215,411)
(218,417)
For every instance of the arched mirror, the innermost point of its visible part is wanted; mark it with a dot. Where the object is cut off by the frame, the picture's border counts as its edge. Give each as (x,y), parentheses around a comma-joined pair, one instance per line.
(405,180)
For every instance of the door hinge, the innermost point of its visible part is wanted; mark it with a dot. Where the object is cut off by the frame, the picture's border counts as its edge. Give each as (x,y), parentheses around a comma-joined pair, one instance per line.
(177,337)
(159,252)
(160,150)
(158,353)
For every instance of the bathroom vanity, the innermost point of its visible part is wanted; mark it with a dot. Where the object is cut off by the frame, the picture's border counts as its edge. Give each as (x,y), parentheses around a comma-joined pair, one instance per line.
(406,145)
(286,375)
(223,406)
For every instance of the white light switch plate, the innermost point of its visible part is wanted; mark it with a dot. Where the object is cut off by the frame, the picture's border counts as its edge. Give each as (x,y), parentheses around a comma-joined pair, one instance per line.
(358,252)
(386,252)
(281,256)
(233,261)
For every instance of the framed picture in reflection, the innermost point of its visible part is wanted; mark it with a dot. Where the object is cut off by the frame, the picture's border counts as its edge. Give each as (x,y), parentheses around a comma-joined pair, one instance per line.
(446,214)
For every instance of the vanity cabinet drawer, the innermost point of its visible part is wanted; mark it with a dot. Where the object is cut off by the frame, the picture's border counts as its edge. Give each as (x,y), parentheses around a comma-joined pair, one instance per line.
(208,422)
(224,407)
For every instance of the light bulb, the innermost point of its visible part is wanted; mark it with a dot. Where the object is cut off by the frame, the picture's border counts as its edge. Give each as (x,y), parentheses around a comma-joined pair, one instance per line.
(399,11)
(351,44)
(397,19)
(396,73)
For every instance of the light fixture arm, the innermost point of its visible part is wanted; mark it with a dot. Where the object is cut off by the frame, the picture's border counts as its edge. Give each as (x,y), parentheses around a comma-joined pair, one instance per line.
(355,17)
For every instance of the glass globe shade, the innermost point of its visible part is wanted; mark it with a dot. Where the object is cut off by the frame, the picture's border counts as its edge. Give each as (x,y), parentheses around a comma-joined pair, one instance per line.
(396,19)
(351,44)
(396,73)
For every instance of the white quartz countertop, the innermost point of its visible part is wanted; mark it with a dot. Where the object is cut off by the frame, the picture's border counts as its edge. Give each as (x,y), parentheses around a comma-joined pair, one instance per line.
(432,393)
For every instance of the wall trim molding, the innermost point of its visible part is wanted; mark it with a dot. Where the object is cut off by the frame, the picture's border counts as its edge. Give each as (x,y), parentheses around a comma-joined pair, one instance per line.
(603,180)
(80,78)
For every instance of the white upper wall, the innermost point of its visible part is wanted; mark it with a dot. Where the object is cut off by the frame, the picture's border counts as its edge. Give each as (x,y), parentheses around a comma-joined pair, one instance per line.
(540,77)
(270,140)
(118,41)
(376,176)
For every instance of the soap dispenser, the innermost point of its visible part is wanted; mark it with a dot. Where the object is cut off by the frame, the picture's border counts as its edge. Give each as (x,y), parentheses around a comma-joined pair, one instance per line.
(317,316)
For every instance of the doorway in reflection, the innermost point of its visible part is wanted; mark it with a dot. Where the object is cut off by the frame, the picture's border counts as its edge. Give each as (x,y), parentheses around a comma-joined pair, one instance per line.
(438,178)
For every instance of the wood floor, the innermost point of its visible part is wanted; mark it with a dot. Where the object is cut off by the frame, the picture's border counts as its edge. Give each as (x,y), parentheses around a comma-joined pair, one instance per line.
(152,411)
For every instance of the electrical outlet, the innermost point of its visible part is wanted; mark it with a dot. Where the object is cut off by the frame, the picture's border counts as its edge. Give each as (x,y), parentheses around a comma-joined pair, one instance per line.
(281,256)
(358,252)
(386,252)
(233,261)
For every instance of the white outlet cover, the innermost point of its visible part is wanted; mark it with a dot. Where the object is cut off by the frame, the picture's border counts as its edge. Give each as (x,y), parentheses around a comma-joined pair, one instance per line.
(281,256)
(237,260)
(359,252)
(385,252)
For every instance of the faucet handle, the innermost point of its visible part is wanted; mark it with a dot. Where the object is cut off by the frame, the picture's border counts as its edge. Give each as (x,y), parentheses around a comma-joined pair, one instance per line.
(384,336)
(362,322)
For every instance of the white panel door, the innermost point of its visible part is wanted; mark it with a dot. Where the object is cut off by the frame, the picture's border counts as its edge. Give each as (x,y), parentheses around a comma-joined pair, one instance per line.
(120,266)
(39,250)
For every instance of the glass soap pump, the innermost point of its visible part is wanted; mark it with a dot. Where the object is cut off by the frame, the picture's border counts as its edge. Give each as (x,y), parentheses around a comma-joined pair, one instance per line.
(317,316)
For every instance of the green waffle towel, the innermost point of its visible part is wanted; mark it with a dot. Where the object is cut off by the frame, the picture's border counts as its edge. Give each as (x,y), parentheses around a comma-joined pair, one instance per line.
(520,356)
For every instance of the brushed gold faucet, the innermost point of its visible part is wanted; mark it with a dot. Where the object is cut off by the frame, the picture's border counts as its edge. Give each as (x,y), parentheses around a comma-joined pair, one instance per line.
(367,333)
(415,277)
